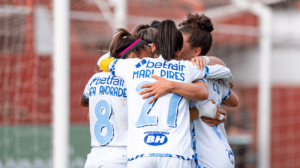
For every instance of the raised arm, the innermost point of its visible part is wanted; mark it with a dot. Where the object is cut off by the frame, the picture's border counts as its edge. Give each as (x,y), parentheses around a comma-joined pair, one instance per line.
(218,72)
(214,61)
(202,61)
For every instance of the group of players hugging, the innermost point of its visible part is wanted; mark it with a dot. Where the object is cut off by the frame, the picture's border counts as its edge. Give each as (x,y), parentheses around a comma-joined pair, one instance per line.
(157,100)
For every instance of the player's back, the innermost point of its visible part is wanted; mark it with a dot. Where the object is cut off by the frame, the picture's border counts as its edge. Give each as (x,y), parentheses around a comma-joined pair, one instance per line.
(161,128)
(211,142)
(107,110)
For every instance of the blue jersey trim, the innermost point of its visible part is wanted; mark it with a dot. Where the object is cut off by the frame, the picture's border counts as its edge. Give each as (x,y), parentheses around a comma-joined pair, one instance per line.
(194,144)
(228,94)
(112,68)
(177,107)
(216,131)
(85,96)
(159,155)
(206,72)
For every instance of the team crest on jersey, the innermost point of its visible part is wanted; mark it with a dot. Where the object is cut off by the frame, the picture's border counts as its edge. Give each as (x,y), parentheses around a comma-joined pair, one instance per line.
(155,139)
(230,156)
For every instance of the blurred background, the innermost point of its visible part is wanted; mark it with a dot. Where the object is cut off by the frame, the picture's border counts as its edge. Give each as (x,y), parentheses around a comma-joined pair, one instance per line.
(26,80)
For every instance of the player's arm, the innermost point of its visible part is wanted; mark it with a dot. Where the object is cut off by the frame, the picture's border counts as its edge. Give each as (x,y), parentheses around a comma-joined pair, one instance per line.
(232,100)
(214,61)
(194,91)
(209,110)
(84,101)
(202,61)
(194,114)
(217,72)
(216,68)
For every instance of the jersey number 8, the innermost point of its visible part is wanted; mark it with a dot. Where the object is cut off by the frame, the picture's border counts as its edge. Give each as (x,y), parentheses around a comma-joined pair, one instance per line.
(103,111)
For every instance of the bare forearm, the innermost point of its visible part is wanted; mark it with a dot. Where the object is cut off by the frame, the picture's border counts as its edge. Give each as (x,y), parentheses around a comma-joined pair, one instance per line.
(214,60)
(194,114)
(192,91)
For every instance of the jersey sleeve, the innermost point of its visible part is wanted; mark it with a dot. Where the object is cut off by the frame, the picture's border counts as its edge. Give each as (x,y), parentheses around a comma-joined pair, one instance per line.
(218,72)
(211,71)
(226,92)
(86,91)
(206,60)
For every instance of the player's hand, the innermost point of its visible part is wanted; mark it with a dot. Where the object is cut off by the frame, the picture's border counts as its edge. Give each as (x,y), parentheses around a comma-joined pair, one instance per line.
(199,61)
(212,122)
(156,89)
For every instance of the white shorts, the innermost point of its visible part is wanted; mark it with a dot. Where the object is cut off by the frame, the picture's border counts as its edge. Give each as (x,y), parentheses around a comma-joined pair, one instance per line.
(159,162)
(107,157)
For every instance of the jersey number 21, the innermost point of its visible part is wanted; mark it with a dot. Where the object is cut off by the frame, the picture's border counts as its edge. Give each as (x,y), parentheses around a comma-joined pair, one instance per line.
(145,120)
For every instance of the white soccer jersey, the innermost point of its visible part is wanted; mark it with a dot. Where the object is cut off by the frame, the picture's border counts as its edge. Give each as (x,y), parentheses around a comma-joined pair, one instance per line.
(107,109)
(161,128)
(210,143)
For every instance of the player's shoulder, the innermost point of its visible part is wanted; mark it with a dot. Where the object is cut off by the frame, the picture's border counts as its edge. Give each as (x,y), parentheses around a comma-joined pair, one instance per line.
(99,75)
(128,60)
(129,63)
(187,64)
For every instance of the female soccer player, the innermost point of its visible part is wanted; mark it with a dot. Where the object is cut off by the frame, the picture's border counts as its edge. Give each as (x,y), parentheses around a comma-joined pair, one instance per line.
(159,132)
(106,97)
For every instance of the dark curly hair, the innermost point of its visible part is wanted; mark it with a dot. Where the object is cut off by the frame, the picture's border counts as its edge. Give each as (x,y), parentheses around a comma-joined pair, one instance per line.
(199,27)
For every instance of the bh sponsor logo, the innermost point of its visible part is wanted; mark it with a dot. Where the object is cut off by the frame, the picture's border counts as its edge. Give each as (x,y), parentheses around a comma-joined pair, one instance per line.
(155,139)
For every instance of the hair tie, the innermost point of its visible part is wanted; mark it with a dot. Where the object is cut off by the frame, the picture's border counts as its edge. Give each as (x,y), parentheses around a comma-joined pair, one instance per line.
(130,46)
(202,27)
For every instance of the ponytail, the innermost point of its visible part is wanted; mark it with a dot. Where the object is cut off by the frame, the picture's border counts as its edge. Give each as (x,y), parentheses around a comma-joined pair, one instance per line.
(145,32)
(124,43)
(169,40)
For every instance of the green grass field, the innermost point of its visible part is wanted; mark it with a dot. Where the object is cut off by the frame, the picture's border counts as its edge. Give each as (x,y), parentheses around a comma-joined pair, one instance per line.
(30,146)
